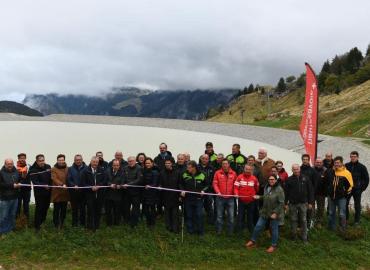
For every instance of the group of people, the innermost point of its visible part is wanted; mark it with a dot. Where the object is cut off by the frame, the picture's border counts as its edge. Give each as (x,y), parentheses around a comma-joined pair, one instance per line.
(248,192)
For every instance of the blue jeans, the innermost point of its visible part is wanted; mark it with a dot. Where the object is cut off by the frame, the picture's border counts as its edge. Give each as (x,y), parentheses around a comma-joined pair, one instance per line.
(333,204)
(194,216)
(261,225)
(250,208)
(222,204)
(8,211)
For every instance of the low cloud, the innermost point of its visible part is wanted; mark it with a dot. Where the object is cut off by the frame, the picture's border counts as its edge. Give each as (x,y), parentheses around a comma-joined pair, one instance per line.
(91,46)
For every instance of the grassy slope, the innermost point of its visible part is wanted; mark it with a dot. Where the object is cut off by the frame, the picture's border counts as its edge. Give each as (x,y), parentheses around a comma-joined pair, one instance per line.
(124,248)
(340,115)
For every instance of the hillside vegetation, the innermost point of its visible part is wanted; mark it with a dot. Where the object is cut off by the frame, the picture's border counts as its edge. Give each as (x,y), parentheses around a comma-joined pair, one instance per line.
(344,109)
(346,113)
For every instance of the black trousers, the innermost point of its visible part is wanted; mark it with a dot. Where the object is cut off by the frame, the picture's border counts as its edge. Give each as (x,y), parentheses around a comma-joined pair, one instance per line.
(112,212)
(125,206)
(159,205)
(209,204)
(24,200)
(150,213)
(42,202)
(78,205)
(131,208)
(94,210)
(59,213)
(171,214)
(356,194)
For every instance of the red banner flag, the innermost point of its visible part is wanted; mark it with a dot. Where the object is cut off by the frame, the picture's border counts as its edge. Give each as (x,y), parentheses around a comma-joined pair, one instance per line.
(309,122)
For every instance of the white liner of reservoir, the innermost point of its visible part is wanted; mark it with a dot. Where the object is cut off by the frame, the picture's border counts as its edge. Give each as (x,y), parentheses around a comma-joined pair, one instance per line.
(53,138)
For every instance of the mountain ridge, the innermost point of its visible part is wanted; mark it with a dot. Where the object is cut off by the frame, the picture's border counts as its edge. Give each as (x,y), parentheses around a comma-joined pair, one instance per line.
(178,104)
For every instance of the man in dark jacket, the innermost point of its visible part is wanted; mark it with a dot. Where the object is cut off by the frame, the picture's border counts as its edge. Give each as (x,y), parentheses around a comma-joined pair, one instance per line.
(320,192)
(94,177)
(210,152)
(311,174)
(256,170)
(205,167)
(328,161)
(40,174)
(9,192)
(113,203)
(299,195)
(118,156)
(78,201)
(193,180)
(159,163)
(360,177)
(217,164)
(170,178)
(180,165)
(236,159)
(131,199)
(163,154)
(102,163)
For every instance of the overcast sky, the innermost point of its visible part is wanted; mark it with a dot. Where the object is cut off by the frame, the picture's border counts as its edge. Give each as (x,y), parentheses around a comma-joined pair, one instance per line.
(74,46)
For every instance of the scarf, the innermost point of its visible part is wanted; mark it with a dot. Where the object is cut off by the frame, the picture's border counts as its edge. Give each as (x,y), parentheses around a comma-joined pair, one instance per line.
(22,169)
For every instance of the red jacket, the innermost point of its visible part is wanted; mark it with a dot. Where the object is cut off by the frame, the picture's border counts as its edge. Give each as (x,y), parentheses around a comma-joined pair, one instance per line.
(224,183)
(246,185)
(283,175)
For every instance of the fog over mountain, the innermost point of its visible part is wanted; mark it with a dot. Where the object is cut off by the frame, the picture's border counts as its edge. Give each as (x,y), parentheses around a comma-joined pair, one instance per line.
(90,46)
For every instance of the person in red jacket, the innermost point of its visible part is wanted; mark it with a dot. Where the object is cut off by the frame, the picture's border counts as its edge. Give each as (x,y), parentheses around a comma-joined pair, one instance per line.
(246,186)
(283,175)
(223,185)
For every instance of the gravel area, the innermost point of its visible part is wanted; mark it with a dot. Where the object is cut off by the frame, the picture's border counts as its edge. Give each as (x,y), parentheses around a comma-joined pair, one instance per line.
(287,139)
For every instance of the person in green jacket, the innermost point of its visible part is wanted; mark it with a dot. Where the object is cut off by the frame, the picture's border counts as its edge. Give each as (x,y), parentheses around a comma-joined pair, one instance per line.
(273,207)
(193,180)
(210,152)
(236,159)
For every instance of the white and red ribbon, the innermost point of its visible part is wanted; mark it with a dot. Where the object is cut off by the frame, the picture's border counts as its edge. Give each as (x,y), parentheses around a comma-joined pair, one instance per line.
(136,186)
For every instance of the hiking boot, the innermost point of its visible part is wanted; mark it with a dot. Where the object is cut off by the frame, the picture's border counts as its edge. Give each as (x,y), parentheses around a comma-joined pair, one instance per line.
(271,249)
(250,244)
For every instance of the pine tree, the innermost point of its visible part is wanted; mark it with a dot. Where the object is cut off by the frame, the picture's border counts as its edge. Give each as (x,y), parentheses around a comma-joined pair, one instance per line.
(281,86)
(353,60)
(326,67)
(301,81)
(290,79)
(250,88)
(336,65)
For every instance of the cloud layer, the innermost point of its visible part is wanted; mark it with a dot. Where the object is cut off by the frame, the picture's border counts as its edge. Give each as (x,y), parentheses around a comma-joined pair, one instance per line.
(89,46)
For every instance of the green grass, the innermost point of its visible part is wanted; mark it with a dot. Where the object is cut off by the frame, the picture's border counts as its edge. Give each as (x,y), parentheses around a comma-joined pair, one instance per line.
(366,142)
(355,125)
(125,248)
(291,122)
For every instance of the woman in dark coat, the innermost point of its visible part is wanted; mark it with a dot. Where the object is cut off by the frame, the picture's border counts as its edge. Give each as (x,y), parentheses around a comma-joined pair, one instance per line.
(150,196)
(273,206)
